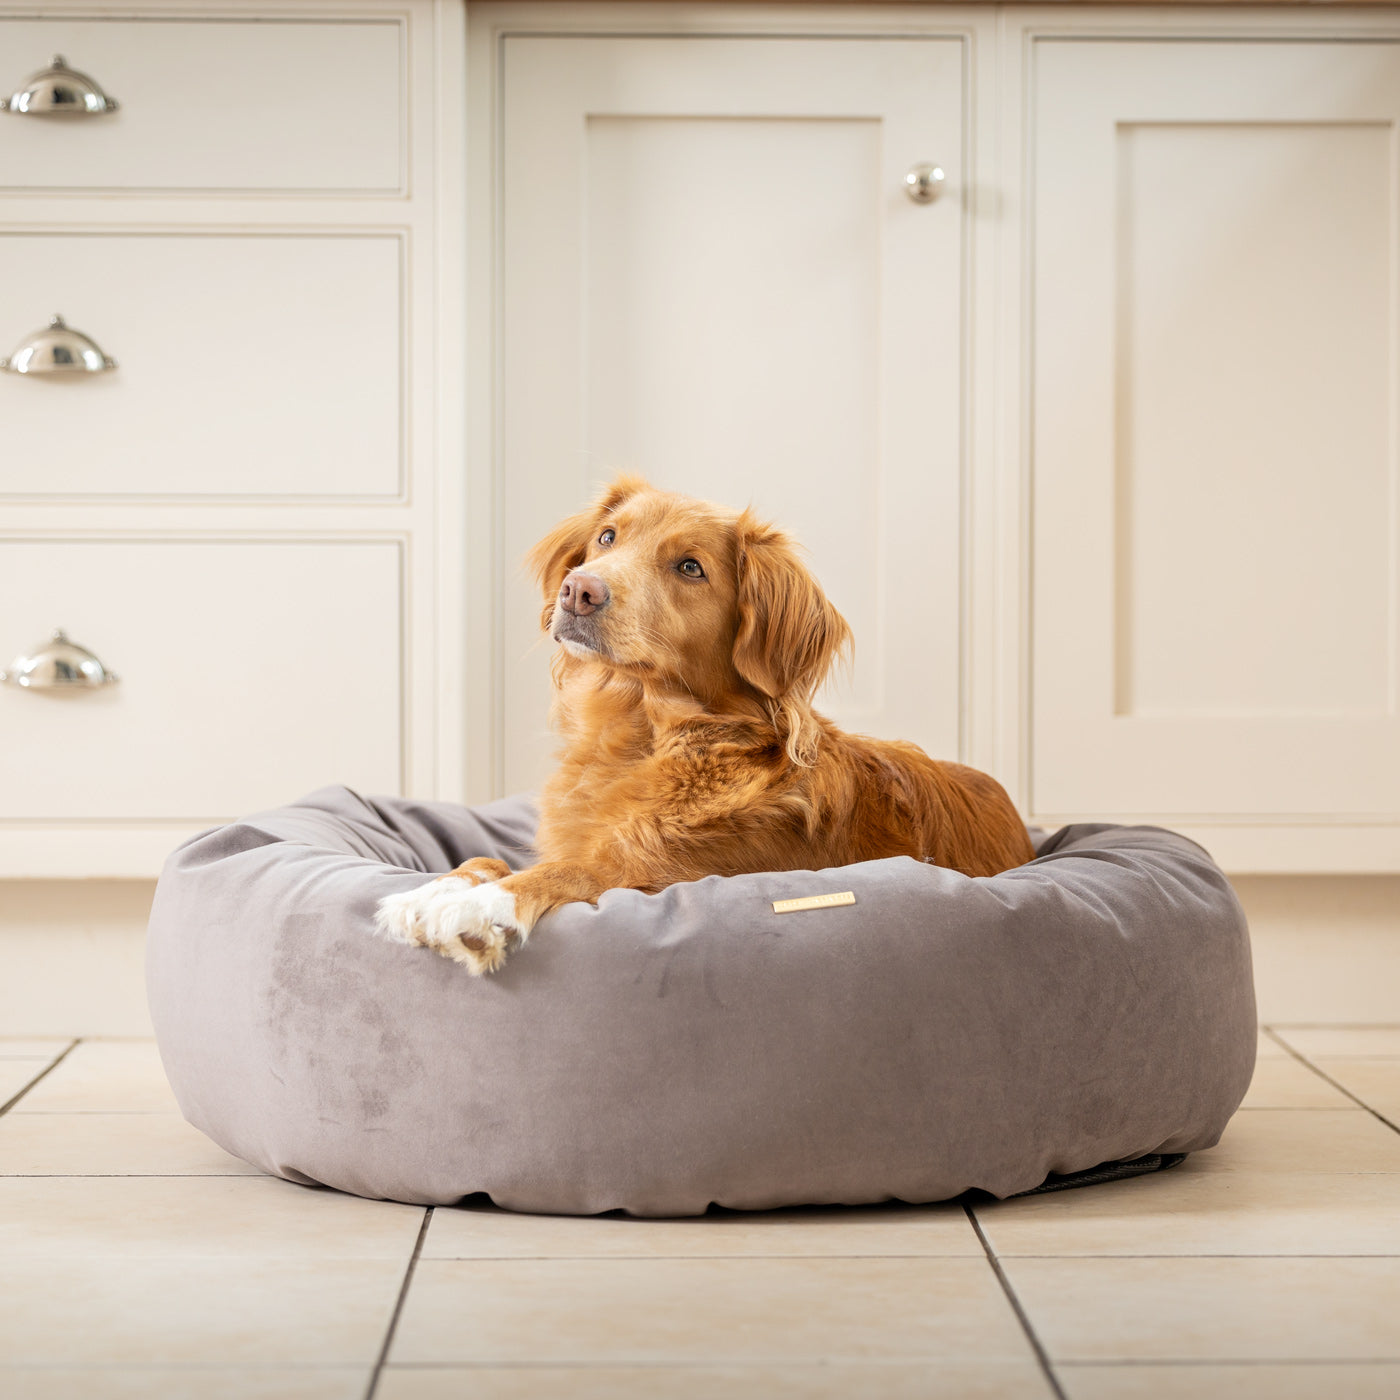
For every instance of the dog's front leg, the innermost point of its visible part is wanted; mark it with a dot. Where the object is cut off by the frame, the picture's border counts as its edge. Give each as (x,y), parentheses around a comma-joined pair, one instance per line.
(471,916)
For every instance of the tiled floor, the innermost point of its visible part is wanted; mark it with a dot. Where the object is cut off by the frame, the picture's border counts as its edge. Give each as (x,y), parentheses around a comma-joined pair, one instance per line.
(138,1260)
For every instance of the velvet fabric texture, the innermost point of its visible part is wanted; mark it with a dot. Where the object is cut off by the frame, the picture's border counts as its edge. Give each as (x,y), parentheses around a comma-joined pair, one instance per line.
(662,1052)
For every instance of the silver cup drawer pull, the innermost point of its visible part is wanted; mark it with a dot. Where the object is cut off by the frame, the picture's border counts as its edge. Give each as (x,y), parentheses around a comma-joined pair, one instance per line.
(58,91)
(58,664)
(58,349)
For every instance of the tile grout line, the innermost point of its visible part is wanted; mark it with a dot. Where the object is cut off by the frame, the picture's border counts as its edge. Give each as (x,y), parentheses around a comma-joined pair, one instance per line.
(1322,1074)
(833,1258)
(498,1364)
(1335,1025)
(1041,1355)
(47,1070)
(865,1362)
(1185,1362)
(398,1305)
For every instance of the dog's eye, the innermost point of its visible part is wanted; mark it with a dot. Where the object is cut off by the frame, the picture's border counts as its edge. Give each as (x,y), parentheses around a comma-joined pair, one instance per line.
(691,568)
(607,537)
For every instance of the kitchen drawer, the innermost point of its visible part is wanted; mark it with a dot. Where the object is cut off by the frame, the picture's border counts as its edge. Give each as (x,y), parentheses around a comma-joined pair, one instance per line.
(250,671)
(247,365)
(212,104)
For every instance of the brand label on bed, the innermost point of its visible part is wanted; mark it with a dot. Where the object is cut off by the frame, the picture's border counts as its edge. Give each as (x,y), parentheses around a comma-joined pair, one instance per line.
(813,901)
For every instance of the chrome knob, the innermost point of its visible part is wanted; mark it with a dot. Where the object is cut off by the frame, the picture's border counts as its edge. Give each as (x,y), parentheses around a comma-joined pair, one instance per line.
(58,665)
(57,91)
(924,183)
(58,349)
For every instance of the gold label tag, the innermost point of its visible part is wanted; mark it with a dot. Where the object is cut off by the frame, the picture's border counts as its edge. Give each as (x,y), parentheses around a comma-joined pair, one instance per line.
(813,901)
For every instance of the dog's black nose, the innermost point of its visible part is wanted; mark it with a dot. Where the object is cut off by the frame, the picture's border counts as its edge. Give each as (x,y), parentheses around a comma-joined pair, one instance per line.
(582,593)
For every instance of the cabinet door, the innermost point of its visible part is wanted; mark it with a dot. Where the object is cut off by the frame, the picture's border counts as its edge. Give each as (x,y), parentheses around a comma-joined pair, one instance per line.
(1213,449)
(713,275)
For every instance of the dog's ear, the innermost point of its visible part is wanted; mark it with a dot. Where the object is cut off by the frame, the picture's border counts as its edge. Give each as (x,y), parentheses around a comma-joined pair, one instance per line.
(566,545)
(789,635)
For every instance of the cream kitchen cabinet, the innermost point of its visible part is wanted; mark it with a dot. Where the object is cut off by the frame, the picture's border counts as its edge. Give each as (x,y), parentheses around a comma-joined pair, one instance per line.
(1096,450)
(254,520)
(714,274)
(1215,607)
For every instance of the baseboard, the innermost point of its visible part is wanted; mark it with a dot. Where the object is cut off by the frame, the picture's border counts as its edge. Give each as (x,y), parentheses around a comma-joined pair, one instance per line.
(1326,947)
(72,957)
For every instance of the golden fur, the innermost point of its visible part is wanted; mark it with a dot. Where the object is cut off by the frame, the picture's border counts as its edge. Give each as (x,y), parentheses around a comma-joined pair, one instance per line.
(690,745)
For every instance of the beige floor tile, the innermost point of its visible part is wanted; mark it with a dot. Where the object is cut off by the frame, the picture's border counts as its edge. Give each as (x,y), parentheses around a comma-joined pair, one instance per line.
(104,1076)
(110,1144)
(476,1232)
(12,1049)
(1375,1082)
(1313,1041)
(1353,1381)
(1285,1083)
(185,1217)
(1269,1048)
(965,1380)
(14,1075)
(1188,1211)
(1212,1309)
(210,1312)
(630,1311)
(1330,1141)
(183,1383)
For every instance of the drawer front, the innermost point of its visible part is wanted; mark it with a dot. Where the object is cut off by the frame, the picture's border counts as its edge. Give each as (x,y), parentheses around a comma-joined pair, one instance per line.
(250,672)
(219,105)
(247,365)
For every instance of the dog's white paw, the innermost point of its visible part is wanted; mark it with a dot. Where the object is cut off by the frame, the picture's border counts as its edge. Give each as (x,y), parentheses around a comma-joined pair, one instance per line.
(467,922)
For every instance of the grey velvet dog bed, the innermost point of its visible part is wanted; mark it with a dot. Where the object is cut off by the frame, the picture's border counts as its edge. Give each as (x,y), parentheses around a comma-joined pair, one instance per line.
(662,1052)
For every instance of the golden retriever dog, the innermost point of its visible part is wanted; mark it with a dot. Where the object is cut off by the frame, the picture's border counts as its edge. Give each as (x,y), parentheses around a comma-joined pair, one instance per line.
(691,642)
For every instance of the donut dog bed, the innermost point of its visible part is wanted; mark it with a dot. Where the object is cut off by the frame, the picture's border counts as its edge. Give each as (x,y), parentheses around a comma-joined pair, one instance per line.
(661,1052)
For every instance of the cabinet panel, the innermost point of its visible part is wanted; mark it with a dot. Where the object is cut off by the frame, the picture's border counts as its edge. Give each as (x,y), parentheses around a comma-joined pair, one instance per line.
(248,365)
(713,276)
(1253,454)
(688,231)
(216,104)
(250,673)
(1213,456)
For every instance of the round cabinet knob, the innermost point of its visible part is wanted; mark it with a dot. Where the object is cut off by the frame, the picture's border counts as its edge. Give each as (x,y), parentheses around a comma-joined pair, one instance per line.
(924,183)
(58,349)
(58,665)
(58,91)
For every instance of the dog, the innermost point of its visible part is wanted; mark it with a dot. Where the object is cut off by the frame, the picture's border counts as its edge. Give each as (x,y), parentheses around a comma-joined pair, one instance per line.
(691,642)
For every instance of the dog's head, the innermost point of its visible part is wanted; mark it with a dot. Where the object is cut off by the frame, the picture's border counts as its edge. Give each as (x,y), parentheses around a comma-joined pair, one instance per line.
(683,593)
